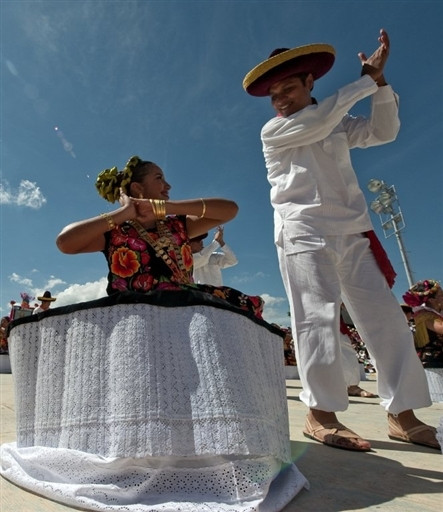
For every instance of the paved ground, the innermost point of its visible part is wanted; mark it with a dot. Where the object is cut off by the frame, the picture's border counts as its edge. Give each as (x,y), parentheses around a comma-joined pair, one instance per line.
(394,477)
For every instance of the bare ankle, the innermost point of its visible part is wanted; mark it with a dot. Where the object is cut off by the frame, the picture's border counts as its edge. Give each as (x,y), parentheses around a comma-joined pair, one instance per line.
(406,419)
(322,417)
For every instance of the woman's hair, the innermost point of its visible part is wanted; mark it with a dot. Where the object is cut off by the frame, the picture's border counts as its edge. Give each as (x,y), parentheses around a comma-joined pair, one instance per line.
(421,292)
(110,181)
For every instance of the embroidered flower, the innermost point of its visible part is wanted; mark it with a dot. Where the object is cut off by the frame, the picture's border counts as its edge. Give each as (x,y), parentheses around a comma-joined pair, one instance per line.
(137,244)
(143,283)
(187,258)
(145,258)
(118,238)
(119,284)
(124,262)
(219,293)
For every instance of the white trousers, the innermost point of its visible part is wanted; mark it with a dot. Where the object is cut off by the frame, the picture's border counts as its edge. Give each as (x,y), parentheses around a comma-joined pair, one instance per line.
(351,366)
(317,278)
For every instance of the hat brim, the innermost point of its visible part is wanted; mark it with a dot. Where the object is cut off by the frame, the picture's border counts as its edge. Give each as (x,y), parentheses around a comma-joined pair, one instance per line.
(317,59)
(46,299)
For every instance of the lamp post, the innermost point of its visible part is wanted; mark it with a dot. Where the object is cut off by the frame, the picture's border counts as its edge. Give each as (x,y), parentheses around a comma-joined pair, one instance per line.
(387,207)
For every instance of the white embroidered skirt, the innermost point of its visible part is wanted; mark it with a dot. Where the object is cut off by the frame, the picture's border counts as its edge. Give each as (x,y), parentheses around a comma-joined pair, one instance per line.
(133,403)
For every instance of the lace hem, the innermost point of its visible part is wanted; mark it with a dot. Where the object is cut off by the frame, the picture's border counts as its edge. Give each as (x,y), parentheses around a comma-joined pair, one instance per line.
(216,484)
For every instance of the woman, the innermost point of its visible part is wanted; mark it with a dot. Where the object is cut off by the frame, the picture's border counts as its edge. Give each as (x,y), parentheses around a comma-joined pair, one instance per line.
(146,240)
(165,394)
(426,300)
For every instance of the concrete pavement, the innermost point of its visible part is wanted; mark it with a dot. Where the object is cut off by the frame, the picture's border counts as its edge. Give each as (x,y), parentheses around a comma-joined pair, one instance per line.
(393,477)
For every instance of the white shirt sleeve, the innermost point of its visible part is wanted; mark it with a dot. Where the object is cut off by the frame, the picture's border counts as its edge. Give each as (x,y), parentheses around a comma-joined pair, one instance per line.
(315,122)
(224,259)
(202,258)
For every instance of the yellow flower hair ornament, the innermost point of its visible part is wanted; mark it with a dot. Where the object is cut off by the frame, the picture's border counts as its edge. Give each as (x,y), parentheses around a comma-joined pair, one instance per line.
(110,181)
(127,172)
(107,184)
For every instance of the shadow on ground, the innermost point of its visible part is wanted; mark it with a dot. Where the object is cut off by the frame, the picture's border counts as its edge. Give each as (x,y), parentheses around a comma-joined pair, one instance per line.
(343,480)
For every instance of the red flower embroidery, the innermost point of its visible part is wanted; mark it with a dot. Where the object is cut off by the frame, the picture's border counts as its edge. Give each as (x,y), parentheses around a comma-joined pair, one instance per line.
(120,284)
(187,258)
(136,244)
(144,257)
(143,283)
(124,262)
(117,238)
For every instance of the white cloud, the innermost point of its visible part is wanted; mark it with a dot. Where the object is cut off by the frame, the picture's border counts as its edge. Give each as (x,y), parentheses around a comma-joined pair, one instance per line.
(247,278)
(28,194)
(5,195)
(276,310)
(76,293)
(16,278)
(53,282)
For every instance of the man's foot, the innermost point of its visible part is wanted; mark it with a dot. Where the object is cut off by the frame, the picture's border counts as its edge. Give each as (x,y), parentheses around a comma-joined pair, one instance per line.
(325,428)
(406,427)
(358,391)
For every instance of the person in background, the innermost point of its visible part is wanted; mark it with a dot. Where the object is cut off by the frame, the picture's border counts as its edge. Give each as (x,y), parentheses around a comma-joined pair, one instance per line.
(351,366)
(4,334)
(46,301)
(208,261)
(426,300)
(323,235)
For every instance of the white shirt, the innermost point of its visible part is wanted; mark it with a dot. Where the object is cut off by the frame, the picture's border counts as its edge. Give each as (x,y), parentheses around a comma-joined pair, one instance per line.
(208,263)
(314,189)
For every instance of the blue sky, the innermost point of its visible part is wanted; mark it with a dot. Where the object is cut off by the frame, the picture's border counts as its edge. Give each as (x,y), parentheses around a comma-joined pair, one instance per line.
(87,84)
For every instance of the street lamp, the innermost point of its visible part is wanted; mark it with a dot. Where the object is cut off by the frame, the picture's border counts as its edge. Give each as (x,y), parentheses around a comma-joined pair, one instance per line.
(387,207)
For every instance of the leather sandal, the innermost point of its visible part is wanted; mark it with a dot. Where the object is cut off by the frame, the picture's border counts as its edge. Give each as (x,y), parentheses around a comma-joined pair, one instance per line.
(412,435)
(358,391)
(337,436)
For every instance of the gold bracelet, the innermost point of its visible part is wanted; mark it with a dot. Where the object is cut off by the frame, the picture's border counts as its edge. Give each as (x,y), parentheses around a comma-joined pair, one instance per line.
(158,208)
(109,220)
(161,203)
(204,208)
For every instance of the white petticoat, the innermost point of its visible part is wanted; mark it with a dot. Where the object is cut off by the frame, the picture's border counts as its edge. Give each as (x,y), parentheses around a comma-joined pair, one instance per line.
(140,407)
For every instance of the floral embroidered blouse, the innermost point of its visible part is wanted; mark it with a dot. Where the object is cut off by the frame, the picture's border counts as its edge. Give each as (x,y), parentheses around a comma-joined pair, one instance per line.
(133,263)
(135,266)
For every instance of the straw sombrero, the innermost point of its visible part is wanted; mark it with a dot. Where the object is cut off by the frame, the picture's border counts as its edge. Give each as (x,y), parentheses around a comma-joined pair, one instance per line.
(312,58)
(46,297)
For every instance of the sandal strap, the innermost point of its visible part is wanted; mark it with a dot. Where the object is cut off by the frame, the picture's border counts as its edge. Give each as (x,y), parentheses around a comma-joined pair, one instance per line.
(334,428)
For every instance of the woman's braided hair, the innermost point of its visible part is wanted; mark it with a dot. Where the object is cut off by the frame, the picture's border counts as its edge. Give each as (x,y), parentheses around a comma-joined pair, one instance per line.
(110,181)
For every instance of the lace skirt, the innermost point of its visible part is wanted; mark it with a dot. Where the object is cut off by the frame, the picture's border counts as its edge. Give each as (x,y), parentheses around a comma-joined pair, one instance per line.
(133,403)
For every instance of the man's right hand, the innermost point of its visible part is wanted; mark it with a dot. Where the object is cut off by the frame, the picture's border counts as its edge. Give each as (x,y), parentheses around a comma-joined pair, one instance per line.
(374,65)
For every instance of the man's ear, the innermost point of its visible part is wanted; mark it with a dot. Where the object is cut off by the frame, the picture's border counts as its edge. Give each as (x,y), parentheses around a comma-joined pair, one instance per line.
(310,81)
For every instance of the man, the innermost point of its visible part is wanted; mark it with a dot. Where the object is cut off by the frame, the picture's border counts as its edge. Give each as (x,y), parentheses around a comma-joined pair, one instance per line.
(46,301)
(325,258)
(208,262)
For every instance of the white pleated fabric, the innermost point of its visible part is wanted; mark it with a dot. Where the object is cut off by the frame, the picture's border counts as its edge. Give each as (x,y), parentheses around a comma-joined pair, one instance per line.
(138,407)
(440,434)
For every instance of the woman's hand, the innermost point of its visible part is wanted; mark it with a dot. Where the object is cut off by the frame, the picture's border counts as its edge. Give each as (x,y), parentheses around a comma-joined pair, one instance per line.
(138,209)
